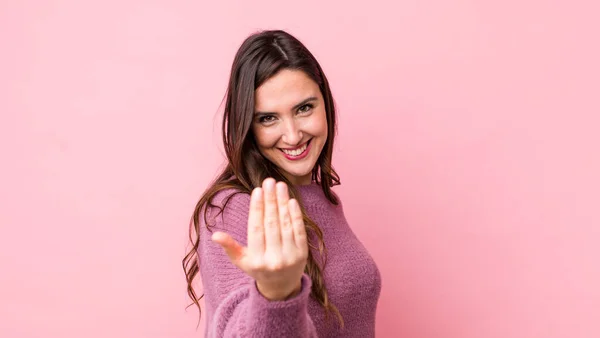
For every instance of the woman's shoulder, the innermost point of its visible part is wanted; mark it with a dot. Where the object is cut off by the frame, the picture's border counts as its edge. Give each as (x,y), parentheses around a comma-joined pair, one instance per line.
(231,199)
(230,195)
(315,194)
(227,211)
(230,204)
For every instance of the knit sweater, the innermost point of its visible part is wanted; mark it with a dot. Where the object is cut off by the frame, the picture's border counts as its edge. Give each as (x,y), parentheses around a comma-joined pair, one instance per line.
(235,308)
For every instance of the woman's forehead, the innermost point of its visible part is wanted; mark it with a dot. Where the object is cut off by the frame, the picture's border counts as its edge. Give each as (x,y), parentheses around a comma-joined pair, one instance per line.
(284,90)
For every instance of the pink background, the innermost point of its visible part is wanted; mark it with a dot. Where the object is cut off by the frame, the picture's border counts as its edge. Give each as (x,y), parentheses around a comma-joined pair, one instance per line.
(468,150)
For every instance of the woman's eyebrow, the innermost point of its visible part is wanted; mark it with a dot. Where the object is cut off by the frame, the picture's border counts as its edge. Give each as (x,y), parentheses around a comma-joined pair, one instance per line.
(303,102)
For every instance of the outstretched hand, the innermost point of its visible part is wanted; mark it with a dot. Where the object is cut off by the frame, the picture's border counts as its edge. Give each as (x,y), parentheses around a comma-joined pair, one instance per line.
(277,248)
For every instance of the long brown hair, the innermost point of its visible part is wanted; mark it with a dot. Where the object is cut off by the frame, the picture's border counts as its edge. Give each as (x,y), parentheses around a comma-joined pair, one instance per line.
(260,57)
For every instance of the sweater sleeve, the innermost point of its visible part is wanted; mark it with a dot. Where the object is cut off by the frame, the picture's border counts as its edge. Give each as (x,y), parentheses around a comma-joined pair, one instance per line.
(235,307)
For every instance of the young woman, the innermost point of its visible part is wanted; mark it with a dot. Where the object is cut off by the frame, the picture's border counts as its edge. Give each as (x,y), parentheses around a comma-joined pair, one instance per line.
(270,240)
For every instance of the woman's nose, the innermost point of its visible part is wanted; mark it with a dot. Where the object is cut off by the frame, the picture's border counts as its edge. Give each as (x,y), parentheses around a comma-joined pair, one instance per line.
(292,134)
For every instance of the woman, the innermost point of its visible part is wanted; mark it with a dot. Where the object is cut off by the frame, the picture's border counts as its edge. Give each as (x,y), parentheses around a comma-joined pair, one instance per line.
(270,240)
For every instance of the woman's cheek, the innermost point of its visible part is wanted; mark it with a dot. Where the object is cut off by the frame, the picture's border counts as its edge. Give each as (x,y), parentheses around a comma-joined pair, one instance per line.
(267,137)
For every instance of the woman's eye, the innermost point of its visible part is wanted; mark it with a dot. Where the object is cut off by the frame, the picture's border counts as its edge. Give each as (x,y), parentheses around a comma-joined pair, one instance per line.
(305,108)
(266,119)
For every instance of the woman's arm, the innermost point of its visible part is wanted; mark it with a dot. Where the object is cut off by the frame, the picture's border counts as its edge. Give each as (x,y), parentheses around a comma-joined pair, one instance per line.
(238,307)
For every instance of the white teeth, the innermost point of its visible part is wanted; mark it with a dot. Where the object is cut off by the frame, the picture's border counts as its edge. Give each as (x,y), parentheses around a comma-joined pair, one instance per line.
(295,152)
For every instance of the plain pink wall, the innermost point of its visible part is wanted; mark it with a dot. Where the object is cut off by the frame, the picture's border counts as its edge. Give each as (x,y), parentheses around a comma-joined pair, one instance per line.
(468,151)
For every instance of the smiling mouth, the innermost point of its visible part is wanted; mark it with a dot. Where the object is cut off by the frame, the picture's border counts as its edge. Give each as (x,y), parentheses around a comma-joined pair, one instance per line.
(298,151)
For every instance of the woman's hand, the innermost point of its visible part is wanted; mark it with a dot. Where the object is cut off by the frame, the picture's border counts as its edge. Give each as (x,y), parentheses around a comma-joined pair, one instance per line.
(277,248)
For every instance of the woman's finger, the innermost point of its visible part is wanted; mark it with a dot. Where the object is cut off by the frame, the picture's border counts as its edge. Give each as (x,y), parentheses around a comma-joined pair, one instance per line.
(298,225)
(256,230)
(288,245)
(232,248)
(272,233)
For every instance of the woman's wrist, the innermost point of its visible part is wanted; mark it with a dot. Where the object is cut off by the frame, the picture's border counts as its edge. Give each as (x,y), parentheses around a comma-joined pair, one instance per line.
(279,294)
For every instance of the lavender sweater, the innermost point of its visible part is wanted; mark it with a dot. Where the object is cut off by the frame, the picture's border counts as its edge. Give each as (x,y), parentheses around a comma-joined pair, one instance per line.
(235,308)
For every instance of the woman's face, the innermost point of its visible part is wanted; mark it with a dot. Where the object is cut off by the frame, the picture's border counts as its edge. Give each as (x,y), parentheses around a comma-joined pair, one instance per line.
(290,124)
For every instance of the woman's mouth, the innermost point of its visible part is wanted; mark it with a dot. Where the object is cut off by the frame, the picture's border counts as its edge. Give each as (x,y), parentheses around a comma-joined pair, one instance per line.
(298,153)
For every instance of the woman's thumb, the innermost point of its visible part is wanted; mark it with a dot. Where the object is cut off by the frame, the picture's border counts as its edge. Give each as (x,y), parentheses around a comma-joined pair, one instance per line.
(232,248)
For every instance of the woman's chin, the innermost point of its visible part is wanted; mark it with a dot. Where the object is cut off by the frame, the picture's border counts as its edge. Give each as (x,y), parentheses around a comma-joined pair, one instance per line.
(298,176)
